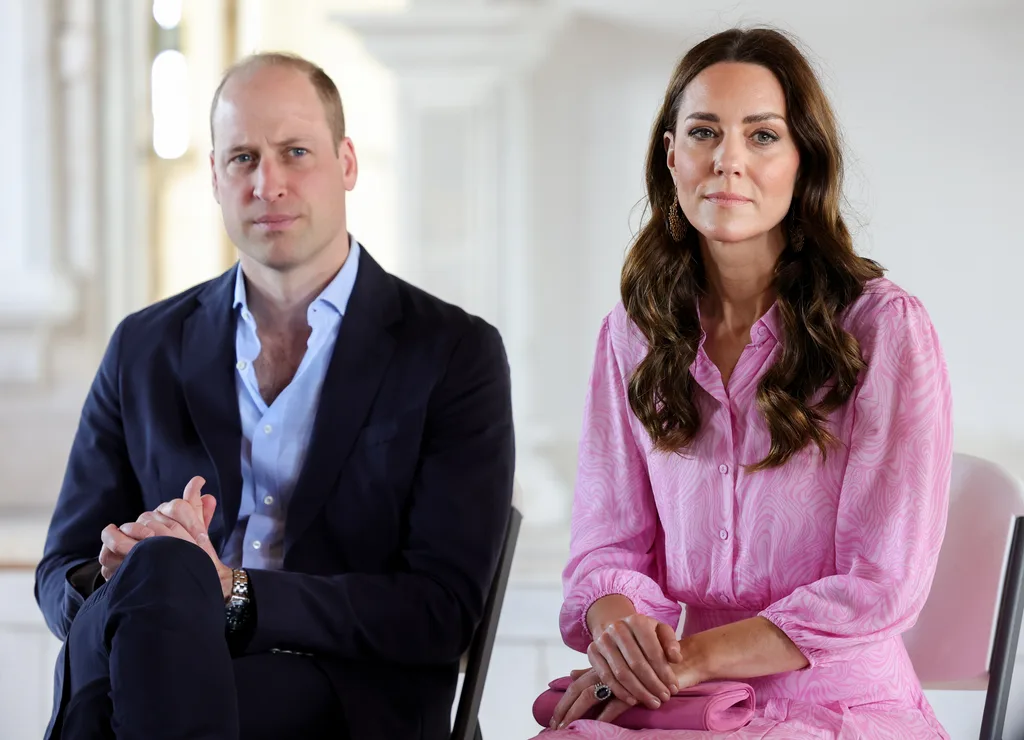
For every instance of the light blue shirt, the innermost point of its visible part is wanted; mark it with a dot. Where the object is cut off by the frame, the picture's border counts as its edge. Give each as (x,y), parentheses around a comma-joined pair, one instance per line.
(275,438)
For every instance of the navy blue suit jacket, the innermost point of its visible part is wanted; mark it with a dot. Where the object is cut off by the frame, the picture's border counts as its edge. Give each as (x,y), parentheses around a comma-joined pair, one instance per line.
(397,520)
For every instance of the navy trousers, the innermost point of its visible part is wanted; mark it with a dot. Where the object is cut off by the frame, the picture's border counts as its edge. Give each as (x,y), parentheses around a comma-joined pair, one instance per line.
(147,659)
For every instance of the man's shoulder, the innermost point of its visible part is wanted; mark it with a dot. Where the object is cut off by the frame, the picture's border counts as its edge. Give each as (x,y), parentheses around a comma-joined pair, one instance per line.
(155,321)
(428,313)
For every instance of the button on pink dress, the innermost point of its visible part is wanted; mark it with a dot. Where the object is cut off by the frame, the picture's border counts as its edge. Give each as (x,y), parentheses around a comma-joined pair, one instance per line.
(838,553)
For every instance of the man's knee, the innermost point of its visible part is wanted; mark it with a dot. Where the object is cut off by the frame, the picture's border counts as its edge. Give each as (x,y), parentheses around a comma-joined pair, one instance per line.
(166,565)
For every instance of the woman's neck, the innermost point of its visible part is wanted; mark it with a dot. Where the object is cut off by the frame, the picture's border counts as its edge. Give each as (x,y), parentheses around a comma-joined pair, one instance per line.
(741,281)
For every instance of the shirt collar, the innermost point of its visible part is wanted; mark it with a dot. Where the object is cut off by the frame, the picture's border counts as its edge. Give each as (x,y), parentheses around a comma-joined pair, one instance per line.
(769,321)
(337,292)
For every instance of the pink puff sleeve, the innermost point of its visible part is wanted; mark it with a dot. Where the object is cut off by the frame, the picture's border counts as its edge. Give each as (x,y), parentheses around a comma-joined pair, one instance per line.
(615,545)
(895,491)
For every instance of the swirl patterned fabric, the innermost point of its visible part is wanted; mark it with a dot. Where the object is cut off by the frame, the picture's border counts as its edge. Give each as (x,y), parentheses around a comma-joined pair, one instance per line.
(839,553)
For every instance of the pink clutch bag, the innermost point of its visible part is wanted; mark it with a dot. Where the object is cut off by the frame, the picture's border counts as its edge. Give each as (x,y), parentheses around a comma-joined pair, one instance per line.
(720,706)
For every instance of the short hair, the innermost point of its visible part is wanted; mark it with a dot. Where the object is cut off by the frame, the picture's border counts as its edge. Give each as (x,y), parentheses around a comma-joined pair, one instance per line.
(322,83)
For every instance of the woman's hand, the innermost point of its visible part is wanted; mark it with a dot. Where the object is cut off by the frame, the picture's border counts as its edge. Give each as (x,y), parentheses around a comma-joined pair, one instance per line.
(579,700)
(632,655)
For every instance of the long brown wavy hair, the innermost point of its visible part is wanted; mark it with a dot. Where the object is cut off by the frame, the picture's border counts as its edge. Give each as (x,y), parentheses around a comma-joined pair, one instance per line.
(662,279)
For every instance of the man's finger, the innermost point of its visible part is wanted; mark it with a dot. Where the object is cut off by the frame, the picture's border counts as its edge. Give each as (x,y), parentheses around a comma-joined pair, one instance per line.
(108,558)
(161,525)
(116,541)
(193,495)
(209,507)
(136,531)
(182,513)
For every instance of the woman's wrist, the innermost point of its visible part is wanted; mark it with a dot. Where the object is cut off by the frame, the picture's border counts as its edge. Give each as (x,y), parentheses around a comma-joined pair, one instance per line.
(606,610)
(698,659)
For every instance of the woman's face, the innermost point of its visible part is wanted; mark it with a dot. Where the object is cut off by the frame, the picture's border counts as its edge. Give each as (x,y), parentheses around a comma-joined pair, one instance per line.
(732,158)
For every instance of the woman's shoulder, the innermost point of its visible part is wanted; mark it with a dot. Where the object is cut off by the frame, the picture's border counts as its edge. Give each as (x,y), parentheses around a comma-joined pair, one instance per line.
(882,306)
(624,335)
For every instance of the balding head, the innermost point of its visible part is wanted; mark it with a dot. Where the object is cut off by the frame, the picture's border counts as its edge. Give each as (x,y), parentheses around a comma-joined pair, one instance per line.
(325,88)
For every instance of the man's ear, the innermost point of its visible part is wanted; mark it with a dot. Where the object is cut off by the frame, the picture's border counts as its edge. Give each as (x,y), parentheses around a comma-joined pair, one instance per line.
(213,178)
(349,162)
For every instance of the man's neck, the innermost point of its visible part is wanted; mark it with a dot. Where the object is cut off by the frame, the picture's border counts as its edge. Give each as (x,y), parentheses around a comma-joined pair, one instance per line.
(279,300)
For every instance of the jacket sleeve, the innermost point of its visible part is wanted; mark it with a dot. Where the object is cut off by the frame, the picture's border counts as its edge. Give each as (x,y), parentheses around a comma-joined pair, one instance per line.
(427,609)
(893,501)
(614,546)
(100,487)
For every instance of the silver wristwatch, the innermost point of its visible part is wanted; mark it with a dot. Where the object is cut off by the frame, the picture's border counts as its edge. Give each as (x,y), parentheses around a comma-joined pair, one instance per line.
(237,608)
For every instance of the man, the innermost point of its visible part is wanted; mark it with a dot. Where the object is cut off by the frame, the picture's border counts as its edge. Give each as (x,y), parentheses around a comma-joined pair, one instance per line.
(297,476)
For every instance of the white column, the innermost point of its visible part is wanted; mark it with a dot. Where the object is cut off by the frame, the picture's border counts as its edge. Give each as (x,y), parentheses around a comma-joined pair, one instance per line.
(73,248)
(463,221)
(34,294)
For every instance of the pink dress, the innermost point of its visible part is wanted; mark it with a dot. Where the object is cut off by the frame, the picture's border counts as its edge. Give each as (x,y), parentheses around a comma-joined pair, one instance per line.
(839,553)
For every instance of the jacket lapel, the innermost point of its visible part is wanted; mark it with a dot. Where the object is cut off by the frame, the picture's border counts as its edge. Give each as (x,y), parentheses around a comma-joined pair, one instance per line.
(208,380)
(363,349)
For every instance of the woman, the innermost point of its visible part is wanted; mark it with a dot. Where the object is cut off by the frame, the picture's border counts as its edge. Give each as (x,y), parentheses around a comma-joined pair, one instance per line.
(767,437)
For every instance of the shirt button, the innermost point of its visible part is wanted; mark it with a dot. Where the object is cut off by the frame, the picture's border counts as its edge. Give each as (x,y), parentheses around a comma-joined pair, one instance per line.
(241,364)
(268,429)
(268,500)
(760,331)
(723,469)
(256,545)
(723,534)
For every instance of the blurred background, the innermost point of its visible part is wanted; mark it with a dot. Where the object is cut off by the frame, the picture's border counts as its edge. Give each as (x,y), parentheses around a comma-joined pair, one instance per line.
(501,147)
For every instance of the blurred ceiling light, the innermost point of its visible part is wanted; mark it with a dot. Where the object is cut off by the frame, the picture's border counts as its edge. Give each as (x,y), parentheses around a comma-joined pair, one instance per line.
(170,104)
(167,13)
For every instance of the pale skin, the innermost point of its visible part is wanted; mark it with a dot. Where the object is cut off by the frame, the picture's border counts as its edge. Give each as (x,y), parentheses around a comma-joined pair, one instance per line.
(280,176)
(734,164)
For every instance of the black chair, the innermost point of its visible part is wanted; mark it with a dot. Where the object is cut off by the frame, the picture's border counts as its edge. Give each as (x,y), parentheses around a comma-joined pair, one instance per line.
(476,660)
(1004,646)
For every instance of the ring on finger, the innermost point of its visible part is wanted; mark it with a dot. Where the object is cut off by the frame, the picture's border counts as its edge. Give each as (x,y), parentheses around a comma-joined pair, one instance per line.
(602,692)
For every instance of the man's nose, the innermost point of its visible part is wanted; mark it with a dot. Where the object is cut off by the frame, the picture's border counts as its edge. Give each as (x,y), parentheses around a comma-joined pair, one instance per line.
(270,181)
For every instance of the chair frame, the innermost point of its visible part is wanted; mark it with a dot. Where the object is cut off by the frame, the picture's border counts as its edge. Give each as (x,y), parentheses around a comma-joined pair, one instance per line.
(467,720)
(1007,634)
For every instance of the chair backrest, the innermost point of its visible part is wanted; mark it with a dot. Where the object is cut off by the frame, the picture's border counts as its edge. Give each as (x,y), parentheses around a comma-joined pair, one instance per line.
(951,644)
(478,657)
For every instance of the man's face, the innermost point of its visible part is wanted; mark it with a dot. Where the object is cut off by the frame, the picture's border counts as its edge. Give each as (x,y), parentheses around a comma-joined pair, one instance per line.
(278,175)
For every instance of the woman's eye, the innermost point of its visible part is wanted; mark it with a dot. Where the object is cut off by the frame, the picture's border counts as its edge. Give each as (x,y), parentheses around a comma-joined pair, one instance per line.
(702,133)
(765,137)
